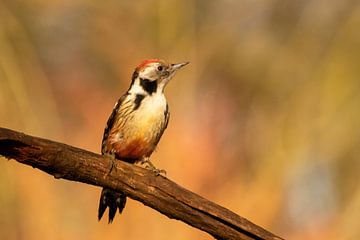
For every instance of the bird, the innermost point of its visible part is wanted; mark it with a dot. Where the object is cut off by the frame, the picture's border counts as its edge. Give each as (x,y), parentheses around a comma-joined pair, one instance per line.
(136,124)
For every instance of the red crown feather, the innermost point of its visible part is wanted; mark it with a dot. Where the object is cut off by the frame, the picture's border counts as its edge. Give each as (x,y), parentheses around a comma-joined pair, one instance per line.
(146,62)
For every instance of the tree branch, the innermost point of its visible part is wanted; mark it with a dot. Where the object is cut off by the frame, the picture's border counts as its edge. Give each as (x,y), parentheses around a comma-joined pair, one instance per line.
(157,192)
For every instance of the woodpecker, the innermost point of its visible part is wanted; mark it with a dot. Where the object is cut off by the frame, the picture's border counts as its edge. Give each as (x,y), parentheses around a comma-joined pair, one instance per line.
(137,123)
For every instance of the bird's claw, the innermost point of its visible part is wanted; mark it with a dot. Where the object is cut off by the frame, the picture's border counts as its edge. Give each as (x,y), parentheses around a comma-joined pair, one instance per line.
(156,170)
(152,168)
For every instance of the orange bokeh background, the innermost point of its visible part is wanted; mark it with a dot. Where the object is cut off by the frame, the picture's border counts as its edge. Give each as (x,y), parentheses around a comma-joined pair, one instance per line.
(264,121)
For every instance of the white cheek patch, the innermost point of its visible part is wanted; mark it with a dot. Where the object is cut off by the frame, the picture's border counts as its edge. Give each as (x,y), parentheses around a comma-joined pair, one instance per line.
(137,89)
(149,72)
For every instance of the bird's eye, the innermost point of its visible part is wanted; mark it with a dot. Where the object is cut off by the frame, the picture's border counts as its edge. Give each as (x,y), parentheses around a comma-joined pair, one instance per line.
(160,68)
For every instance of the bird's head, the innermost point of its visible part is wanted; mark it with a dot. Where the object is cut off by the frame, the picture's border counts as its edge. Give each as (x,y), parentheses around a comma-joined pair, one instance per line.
(155,72)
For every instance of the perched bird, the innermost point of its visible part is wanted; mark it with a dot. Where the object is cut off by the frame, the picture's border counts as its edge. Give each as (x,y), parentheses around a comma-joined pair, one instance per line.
(137,123)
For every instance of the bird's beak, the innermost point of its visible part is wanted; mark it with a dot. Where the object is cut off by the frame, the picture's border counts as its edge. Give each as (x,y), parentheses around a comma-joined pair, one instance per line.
(177,66)
(171,71)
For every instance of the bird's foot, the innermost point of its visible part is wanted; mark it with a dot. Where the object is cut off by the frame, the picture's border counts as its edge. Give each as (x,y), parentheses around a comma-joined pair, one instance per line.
(155,170)
(150,166)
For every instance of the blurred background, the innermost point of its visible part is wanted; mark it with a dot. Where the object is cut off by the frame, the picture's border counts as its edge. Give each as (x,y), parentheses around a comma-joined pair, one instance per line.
(264,121)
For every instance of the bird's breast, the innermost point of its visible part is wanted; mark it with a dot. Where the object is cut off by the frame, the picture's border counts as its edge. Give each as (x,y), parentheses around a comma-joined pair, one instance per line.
(152,107)
(141,133)
(150,116)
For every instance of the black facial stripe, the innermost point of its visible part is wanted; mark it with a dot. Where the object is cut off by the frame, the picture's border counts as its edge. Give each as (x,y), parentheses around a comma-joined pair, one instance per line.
(138,99)
(149,86)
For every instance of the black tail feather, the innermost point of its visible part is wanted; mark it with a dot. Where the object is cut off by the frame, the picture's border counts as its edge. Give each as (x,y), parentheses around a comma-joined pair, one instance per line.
(113,200)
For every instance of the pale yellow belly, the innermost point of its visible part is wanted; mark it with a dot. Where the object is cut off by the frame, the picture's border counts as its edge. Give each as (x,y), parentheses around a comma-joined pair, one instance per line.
(139,135)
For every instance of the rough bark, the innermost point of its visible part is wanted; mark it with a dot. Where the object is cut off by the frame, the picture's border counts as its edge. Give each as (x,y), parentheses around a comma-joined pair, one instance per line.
(157,192)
